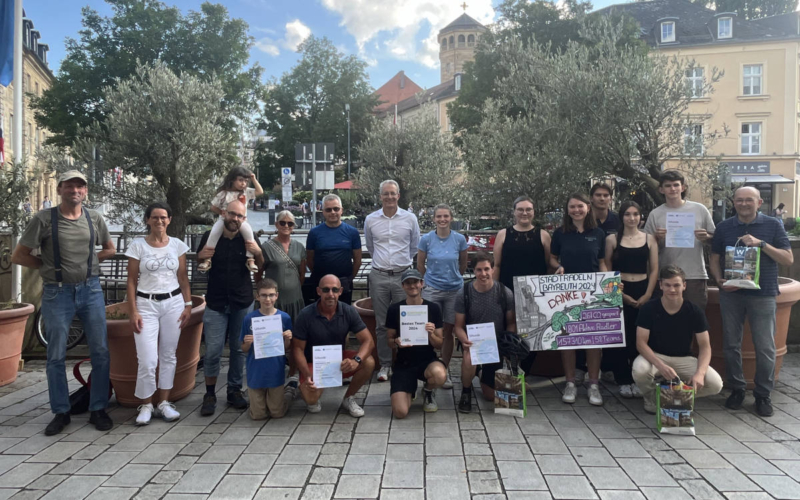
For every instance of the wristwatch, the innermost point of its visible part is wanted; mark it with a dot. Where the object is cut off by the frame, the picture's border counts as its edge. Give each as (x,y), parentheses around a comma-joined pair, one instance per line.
(762,244)
(357,359)
(188,303)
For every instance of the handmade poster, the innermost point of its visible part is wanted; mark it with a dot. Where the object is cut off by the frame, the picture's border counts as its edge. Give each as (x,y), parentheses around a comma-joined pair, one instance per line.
(680,230)
(484,344)
(570,311)
(412,325)
(742,266)
(327,360)
(267,336)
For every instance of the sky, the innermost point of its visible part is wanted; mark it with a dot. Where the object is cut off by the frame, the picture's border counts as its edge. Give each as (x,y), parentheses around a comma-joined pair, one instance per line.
(391,35)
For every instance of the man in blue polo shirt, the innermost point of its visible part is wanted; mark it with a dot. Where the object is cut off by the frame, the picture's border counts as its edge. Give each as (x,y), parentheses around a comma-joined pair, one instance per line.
(334,248)
(752,229)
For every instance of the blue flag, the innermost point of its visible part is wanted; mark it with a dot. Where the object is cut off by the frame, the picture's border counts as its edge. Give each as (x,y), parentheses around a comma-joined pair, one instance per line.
(6,42)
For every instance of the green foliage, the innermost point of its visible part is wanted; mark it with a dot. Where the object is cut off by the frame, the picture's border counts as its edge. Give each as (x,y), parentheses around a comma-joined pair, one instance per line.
(207,44)
(15,186)
(559,320)
(575,312)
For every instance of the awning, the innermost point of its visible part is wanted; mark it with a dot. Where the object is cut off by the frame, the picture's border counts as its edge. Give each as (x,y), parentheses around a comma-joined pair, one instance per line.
(761,179)
(343,185)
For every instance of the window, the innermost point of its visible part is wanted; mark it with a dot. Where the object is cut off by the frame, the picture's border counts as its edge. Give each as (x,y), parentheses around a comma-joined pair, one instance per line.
(452,43)
(724,27)
(695,81)
(444,43)
(693,140)
(751,138)
(36,84)
(462,42)
(471,41)
(667,32)
(752,79)
(458,82)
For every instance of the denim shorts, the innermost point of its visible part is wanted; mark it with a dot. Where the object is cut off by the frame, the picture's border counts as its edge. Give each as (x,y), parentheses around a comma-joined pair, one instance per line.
(446,299)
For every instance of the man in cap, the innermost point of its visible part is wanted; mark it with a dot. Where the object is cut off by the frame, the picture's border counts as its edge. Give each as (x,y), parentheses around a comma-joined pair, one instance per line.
(67,236)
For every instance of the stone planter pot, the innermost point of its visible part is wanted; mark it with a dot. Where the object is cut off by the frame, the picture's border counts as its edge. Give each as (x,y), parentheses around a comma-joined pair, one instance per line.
(124,363)
(364,308)
(12,331)
(790,294)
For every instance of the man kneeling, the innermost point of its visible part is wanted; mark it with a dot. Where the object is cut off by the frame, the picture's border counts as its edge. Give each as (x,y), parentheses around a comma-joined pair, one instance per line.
(328,322)
(418,362)
(665,329)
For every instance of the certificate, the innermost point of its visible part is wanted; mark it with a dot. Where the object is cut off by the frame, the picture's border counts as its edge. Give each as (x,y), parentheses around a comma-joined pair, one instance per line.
(484,344)
(268,336)
(327,360)
(412,325)
(680,230)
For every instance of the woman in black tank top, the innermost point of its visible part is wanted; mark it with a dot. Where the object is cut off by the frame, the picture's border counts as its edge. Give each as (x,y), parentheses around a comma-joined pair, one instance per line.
(634,254)
(521,249)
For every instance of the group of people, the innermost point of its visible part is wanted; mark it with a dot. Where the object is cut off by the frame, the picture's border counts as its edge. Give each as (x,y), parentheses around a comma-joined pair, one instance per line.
(664,296)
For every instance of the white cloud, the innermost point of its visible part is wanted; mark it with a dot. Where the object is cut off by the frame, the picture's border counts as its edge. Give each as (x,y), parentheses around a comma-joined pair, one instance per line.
(402,22)
(296,33)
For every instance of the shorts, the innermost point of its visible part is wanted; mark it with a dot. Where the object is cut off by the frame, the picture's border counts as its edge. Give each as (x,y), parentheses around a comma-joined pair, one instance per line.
(346,354)
(445,299)
(404,378)
(267,402)
(486,373)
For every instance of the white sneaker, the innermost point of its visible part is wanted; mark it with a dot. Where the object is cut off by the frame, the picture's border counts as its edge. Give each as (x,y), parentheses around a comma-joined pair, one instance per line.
(383,374)
(650,405)
(315,408)
(168,411)
(429,404)
(570,393)
(350,405)
(625,391)
(145,413)
(580,376)
(595,397)
(608,377)
(636,392)
(448,384)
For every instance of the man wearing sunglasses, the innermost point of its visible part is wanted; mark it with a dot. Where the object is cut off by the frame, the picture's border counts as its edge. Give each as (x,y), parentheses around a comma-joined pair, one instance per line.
(334,248)
(328,322)
(229,298)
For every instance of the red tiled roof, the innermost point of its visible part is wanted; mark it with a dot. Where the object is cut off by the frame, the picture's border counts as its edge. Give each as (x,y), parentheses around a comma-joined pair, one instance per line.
(398,88)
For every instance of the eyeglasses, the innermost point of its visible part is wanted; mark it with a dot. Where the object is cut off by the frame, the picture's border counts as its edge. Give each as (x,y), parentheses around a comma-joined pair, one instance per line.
(525,210)
(333,209)
(234,215)
(285,223)
(329,289)
(270,296)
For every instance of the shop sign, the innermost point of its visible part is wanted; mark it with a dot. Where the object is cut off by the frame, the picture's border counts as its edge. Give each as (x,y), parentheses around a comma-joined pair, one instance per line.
(748,167)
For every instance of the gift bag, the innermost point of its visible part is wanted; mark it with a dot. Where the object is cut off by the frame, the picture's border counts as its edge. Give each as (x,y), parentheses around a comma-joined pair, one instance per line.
(742,266)
(509,392)
(675,410)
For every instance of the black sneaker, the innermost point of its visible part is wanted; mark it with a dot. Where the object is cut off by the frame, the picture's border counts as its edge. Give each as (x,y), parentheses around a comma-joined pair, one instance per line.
(57,425)
(764,407)
(465,405)
(236,399)
(209,405)
(735,400)
(101,420)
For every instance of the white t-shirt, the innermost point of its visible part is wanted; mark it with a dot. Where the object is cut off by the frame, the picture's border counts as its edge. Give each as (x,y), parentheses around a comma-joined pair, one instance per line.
(158,267)
(222,198)
(689,259)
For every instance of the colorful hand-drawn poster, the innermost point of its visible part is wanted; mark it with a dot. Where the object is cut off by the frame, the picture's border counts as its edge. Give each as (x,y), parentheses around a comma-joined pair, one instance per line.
(570,311)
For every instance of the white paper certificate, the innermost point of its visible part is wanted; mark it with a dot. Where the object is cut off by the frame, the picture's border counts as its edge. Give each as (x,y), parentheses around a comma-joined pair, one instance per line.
(412,325)
(680,230)
(484,344)
(327,361)
(268,336)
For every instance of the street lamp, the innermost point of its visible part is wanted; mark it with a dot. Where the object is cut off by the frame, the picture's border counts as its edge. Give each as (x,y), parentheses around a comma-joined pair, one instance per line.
(347,108)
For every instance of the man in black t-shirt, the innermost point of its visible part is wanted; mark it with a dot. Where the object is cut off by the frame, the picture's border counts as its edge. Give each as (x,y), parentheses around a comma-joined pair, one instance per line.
(415,362)
(664,334)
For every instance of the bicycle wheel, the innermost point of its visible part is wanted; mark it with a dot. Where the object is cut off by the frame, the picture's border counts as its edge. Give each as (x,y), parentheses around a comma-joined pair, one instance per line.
(74,335)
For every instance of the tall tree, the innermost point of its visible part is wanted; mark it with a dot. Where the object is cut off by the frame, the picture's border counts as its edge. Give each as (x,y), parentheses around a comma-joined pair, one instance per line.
(205,43)
(307,104)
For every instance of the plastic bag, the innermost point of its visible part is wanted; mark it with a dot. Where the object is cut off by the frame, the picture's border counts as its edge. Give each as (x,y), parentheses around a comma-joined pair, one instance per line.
(509,393)
(675,411)
(742,266)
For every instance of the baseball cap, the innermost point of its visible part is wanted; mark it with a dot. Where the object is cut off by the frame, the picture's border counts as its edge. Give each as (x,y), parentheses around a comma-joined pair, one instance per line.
(410,274)
(71,174)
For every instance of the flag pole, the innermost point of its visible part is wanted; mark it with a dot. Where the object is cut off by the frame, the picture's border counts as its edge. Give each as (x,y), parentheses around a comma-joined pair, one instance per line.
(16,271)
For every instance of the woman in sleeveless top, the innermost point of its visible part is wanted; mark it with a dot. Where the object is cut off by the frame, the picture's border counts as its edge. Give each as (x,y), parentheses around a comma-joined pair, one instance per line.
(634,254)
(521,249)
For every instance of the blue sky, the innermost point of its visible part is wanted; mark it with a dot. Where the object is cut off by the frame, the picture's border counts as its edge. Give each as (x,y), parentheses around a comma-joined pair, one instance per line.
(392,35)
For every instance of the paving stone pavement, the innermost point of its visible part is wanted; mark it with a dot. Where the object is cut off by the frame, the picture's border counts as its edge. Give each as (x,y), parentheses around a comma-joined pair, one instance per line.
(557,451)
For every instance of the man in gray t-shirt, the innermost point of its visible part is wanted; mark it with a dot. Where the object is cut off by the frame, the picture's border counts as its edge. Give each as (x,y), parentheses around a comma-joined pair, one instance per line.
(487,301)
(69,266)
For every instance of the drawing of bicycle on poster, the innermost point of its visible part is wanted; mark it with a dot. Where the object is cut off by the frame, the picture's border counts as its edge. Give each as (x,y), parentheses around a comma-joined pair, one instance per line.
(570,311)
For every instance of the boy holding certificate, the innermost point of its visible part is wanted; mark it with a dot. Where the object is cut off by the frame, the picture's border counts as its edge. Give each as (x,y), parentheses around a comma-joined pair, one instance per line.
(266,334)
(414,328)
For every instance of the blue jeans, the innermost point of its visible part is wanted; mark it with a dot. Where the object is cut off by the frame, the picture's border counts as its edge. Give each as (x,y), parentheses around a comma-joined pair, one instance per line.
(760,313)
(218,326)
(59,306)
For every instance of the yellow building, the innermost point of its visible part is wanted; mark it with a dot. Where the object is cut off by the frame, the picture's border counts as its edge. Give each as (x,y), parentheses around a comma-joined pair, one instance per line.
(757,100)
(36,78)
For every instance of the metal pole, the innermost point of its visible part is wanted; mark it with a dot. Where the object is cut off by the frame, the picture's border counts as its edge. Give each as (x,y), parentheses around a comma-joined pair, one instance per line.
(313,185)
(16,271)
(347,108)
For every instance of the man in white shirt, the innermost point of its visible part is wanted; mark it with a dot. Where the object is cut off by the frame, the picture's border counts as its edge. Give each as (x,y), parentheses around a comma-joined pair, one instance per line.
(392,236)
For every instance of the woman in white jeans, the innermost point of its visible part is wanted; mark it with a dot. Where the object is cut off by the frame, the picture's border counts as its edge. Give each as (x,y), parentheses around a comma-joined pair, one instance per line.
(158,281)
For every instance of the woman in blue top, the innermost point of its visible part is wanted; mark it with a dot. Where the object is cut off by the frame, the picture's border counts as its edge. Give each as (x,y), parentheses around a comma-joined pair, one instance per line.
(579,246)
(445,253)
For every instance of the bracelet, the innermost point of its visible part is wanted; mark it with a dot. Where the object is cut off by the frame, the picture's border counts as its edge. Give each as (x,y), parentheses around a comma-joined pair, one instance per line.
(188,303)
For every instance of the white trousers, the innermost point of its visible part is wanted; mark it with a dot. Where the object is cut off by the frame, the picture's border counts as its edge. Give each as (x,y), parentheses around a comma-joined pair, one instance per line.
(156,343)
(216,234)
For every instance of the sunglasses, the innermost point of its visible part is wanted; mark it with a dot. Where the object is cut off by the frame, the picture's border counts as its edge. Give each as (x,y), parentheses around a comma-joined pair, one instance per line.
(285,223)
(329,289)
(333,209)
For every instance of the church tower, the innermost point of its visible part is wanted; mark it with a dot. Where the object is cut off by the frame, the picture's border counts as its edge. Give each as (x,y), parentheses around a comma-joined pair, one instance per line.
(457,42)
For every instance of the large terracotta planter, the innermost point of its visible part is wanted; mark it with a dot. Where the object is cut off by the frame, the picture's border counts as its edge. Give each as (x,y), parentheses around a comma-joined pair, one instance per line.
(790,293)
(124,364)
(12,330)
(364,308)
